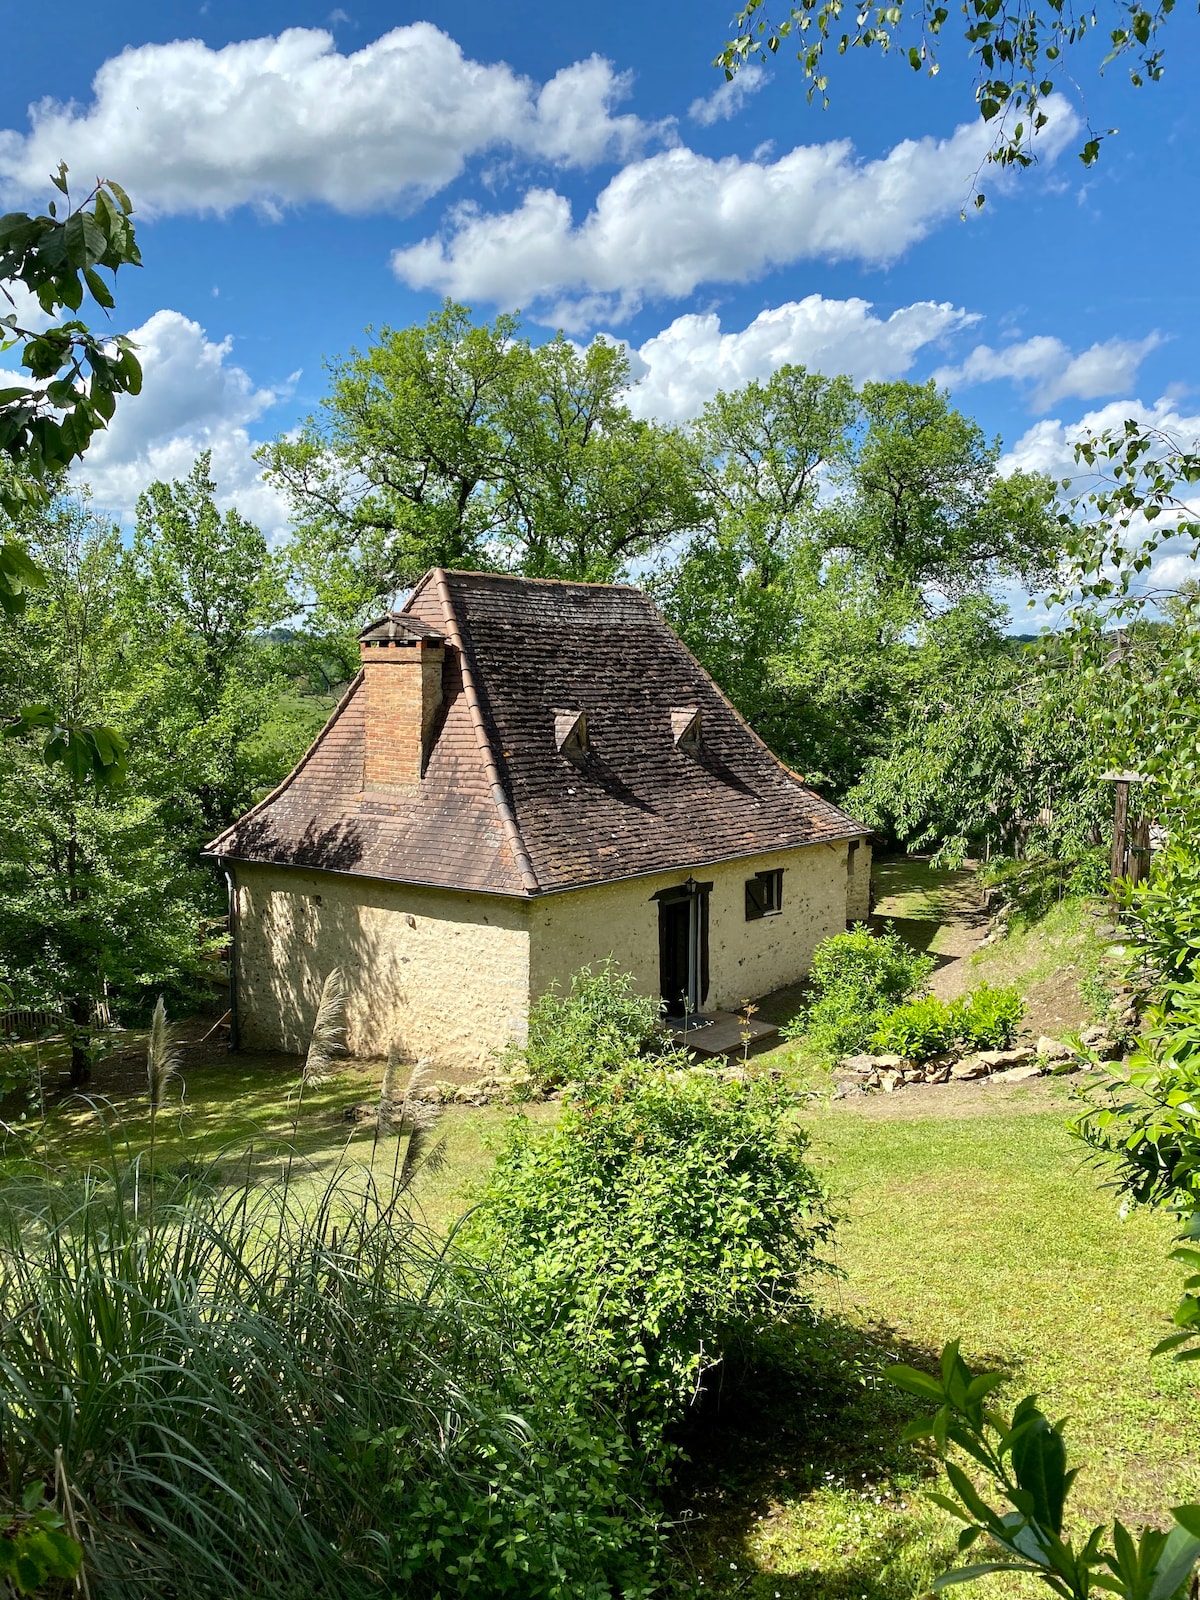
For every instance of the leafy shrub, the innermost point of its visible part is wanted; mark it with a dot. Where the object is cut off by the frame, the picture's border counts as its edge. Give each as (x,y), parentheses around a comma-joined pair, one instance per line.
(985,1019)
(600,1024)
(1148,1129)
(919,1029)
(658,1229)
(856,979)
(1164,915)
(988,1017)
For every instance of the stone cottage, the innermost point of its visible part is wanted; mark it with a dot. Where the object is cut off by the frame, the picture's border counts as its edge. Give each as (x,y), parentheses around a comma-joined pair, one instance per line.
(526,776)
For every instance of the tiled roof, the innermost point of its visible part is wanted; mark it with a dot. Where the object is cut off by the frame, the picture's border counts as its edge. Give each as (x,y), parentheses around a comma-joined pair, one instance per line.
(500,808)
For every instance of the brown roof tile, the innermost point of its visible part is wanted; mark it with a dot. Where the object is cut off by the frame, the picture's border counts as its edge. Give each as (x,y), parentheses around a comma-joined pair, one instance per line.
(499,808)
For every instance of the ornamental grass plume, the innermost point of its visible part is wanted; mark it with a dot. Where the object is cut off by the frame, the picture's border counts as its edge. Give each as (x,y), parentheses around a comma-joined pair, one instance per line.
(162,1064)
(411,1119)
(326,1041)
(328,1034)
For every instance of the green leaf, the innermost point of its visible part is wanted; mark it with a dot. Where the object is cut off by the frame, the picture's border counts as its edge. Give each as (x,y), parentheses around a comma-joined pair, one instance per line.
(918,1383)
(1039,1459)
(1175,1563)
(968,1574)
(122,198)
(99,289)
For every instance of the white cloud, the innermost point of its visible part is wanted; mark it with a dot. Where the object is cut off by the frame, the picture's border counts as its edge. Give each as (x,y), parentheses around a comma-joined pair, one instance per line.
(280,121)
(674,220)
(728,98)
(1048,368)
(684,365)
(193,398)
(1049,445)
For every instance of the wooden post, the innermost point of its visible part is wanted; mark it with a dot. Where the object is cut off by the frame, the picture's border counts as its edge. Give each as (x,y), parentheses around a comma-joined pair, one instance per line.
(1139,850)
(1120,838)
(1126,862)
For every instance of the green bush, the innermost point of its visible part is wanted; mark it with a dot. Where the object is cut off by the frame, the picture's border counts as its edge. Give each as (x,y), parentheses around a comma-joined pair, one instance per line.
(600,1024)
(919,1029)
(985,1019)
(988,1017)
(856,980)
(658,1229)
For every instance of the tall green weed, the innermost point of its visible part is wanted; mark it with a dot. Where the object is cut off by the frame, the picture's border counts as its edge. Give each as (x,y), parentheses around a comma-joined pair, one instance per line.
(598,1025)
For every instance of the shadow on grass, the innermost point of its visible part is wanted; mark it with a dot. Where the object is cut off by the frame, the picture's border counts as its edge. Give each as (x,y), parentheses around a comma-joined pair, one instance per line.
(796,1482)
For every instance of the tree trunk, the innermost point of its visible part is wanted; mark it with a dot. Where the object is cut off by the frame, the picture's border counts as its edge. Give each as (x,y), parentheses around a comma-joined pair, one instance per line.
(81,1061)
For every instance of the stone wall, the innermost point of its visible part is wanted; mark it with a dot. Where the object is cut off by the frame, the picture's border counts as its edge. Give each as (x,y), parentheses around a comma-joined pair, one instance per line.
(746,959)
(432,971)
(445,974)
(858,881)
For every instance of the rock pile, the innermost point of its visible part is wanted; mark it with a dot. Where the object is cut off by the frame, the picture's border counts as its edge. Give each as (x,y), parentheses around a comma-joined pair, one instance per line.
(892,1072)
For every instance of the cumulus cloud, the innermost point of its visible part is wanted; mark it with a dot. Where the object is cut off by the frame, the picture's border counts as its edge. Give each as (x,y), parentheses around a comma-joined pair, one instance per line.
(674,220)
(1049,446)
(280,121)
(1051,372)
(728,98)
(193,398)
(684,365)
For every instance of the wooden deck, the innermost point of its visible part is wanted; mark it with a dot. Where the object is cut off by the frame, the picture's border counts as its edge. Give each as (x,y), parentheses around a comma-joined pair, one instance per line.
(724,1034)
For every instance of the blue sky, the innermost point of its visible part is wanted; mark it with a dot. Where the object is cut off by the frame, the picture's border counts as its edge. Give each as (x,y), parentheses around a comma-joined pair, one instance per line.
(300,174)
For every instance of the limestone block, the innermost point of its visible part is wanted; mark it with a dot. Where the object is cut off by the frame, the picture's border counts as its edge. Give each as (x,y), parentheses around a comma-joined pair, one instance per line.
(1053,1049)
(998,1060)
(1018,1074)
(861,1065)
(969,1067)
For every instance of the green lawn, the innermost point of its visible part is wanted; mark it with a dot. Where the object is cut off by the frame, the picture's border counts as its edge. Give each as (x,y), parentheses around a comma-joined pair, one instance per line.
(986,1229)
(239,1112)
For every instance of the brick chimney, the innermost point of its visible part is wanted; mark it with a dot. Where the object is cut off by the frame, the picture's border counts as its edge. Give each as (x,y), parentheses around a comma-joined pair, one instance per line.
(402,676)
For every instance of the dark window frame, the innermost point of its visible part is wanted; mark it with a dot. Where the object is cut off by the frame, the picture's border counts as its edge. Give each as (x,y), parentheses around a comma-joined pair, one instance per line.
(764,894)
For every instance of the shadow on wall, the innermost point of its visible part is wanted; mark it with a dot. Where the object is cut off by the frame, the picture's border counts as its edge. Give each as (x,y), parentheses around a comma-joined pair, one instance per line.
(428,972)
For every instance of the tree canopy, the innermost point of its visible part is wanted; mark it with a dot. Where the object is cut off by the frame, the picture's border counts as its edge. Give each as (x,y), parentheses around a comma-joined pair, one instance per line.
(462,445)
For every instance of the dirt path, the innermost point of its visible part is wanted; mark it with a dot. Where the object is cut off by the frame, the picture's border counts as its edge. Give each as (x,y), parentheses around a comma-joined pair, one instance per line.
(935,912)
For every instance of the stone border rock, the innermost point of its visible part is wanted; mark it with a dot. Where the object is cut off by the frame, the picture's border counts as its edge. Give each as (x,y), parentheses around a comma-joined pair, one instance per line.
(868,1073)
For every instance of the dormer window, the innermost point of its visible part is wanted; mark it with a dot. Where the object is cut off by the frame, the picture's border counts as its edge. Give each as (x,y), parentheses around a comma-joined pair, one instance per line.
(571,734)
(685,728)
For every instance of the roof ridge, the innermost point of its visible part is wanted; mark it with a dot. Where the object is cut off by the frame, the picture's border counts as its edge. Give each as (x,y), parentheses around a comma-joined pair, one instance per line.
(520,577)
(491,767)
(287,782)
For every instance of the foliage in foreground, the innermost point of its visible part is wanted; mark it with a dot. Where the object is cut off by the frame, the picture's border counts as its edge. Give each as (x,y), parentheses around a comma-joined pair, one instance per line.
(656,1231)
(855,981)
(985,1019)
(1025,1458)
(597,1026)
(254,1399)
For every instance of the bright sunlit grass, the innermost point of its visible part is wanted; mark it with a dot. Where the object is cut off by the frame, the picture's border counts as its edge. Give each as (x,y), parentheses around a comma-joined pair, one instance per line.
(988,1229)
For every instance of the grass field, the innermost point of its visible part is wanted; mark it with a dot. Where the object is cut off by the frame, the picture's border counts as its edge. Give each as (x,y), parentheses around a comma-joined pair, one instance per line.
(987,1229)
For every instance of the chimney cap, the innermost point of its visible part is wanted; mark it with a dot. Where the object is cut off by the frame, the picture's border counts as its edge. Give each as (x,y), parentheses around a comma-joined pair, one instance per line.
(398,627)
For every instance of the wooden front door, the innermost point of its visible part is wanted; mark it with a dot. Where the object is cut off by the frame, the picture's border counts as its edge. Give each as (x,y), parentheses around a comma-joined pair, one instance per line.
(683,951)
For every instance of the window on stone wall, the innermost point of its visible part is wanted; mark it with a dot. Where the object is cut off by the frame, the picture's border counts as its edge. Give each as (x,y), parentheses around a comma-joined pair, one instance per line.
(764,894)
